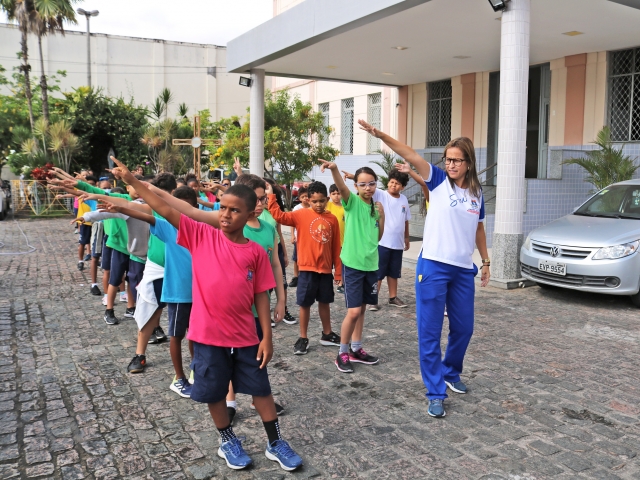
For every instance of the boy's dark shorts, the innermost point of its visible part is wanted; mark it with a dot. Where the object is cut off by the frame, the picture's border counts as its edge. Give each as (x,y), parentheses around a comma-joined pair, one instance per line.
(105,262)
(179,314)
(314,286)
(360,288)
(119,266)
(389,262)
(213,368)
(284,269)
(157,289)
(134,275)
(294,257)
(84,237)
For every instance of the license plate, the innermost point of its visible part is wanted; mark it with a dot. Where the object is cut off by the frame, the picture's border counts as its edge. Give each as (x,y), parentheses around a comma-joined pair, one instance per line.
(552,267)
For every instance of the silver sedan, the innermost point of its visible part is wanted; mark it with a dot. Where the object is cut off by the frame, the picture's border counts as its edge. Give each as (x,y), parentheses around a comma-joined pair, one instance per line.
(594,249)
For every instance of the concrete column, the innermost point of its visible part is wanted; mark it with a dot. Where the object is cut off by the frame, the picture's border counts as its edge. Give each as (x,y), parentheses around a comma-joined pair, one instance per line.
(256,127)
(512,142)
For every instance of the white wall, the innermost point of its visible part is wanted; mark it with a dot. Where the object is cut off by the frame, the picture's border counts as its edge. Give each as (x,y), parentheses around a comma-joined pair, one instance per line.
(136,67)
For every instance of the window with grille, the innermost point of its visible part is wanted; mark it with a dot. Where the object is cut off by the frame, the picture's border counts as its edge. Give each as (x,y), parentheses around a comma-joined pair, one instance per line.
(346,127)
(323,108)
(439,114)
(624,98)
(374,117)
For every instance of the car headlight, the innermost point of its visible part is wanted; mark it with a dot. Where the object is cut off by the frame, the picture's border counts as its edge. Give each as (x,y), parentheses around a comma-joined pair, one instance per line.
(617,251)
(527,242)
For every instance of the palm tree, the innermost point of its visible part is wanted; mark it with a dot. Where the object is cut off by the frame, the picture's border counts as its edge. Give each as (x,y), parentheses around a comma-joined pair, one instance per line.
(387,164)
(21,12)
(607,165)
(166,97)
(63,143)
(49,18)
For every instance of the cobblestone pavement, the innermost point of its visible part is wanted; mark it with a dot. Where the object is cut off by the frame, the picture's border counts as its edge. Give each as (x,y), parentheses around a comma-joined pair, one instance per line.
(553,379)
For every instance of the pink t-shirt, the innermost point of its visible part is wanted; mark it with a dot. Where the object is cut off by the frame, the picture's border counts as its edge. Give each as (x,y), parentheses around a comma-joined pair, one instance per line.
(226,275)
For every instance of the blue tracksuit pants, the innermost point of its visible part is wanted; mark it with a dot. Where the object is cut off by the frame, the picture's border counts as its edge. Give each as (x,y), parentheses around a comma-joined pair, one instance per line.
(438,284)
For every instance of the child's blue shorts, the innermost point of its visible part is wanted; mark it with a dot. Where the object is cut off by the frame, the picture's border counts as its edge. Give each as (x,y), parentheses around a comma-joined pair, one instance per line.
(389,262)
(214,367)
(360,288)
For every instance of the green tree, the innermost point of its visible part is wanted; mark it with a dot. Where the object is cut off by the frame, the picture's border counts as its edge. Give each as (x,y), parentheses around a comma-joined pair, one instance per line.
(49,16)
(102,123)
(63,143)
(607,165)
(295,138)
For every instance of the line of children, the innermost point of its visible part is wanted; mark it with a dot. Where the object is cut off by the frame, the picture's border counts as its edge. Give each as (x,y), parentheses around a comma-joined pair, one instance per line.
(223,328)
(319,252)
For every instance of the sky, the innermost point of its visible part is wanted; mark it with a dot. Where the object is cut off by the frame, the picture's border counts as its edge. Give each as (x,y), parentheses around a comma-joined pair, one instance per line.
(199,21)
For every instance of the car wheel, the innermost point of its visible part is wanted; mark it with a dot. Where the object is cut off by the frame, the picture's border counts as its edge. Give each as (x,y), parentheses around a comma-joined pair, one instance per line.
(546,286)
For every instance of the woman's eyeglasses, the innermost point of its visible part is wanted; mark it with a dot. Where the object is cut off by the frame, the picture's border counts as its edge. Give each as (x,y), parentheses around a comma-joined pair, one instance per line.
(455,161)
(365,185)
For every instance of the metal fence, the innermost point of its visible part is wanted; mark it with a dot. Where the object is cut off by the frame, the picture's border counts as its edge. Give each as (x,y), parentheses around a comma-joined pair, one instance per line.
(374,117)
(346,127)
(35,198)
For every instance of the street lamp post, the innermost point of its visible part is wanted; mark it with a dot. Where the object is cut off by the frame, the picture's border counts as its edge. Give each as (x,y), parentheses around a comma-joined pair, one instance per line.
(88,15)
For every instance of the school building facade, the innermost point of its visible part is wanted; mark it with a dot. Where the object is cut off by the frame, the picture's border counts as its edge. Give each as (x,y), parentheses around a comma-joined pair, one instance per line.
(531,86)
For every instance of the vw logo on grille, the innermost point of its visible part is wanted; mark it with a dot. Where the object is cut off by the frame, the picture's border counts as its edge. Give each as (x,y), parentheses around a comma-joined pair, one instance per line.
(554,252)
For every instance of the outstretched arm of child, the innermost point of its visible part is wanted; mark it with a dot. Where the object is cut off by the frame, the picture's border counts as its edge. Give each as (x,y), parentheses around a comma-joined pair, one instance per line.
(405,151)
(337,178)
(210,218)
(265,349)
(155,202)
(205,203)
(130,212)
(118,201)
(406,168)
(278,312)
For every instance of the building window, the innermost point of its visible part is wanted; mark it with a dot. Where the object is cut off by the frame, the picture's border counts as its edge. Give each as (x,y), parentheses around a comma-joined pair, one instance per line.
(624,103)
(374,117)
(323,108)
(439,114)
(346,128)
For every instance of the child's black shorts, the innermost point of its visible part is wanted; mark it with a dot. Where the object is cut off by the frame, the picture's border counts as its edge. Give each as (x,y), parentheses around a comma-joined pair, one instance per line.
(119,266)
(314,286)
(389,262)
(135,274)
(213,368)
(84,237)
(179,315)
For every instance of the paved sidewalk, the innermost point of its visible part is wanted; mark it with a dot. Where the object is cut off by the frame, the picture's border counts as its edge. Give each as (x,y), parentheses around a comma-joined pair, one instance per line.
(553,379)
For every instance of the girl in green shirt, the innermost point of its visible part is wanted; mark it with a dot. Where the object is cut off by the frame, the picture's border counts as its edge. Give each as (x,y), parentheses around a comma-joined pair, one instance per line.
(364,226)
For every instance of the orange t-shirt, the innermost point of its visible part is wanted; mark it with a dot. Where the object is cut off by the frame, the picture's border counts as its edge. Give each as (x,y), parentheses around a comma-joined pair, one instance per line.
(318,238)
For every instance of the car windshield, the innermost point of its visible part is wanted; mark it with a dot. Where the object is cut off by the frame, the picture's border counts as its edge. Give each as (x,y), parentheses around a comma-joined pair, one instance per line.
(617,201)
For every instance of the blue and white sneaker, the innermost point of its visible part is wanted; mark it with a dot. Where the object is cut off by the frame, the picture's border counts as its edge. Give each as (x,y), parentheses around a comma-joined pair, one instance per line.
(181,386)
(436,408)
(234,454)
(280,451)
(458,387)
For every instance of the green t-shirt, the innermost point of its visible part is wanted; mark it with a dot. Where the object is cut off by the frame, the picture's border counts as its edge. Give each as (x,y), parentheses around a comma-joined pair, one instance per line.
(263,236)
(156,248)
(360,247)
(266,216)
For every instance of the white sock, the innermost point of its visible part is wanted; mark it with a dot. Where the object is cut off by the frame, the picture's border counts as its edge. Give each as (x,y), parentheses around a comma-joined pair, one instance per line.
(232,404)
(94,285)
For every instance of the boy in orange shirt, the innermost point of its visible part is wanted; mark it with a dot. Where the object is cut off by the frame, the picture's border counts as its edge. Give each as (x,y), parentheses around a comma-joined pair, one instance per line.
(318,253)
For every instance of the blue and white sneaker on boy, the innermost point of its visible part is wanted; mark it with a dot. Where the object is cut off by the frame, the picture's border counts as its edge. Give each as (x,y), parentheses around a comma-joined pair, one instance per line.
(280,451)
(234,454)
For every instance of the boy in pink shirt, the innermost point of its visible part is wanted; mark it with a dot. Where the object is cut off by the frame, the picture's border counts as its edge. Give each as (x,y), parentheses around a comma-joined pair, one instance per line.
(224,334)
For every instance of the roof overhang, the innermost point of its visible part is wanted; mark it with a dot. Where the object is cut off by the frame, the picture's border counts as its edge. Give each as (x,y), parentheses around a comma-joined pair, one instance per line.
(356,40)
